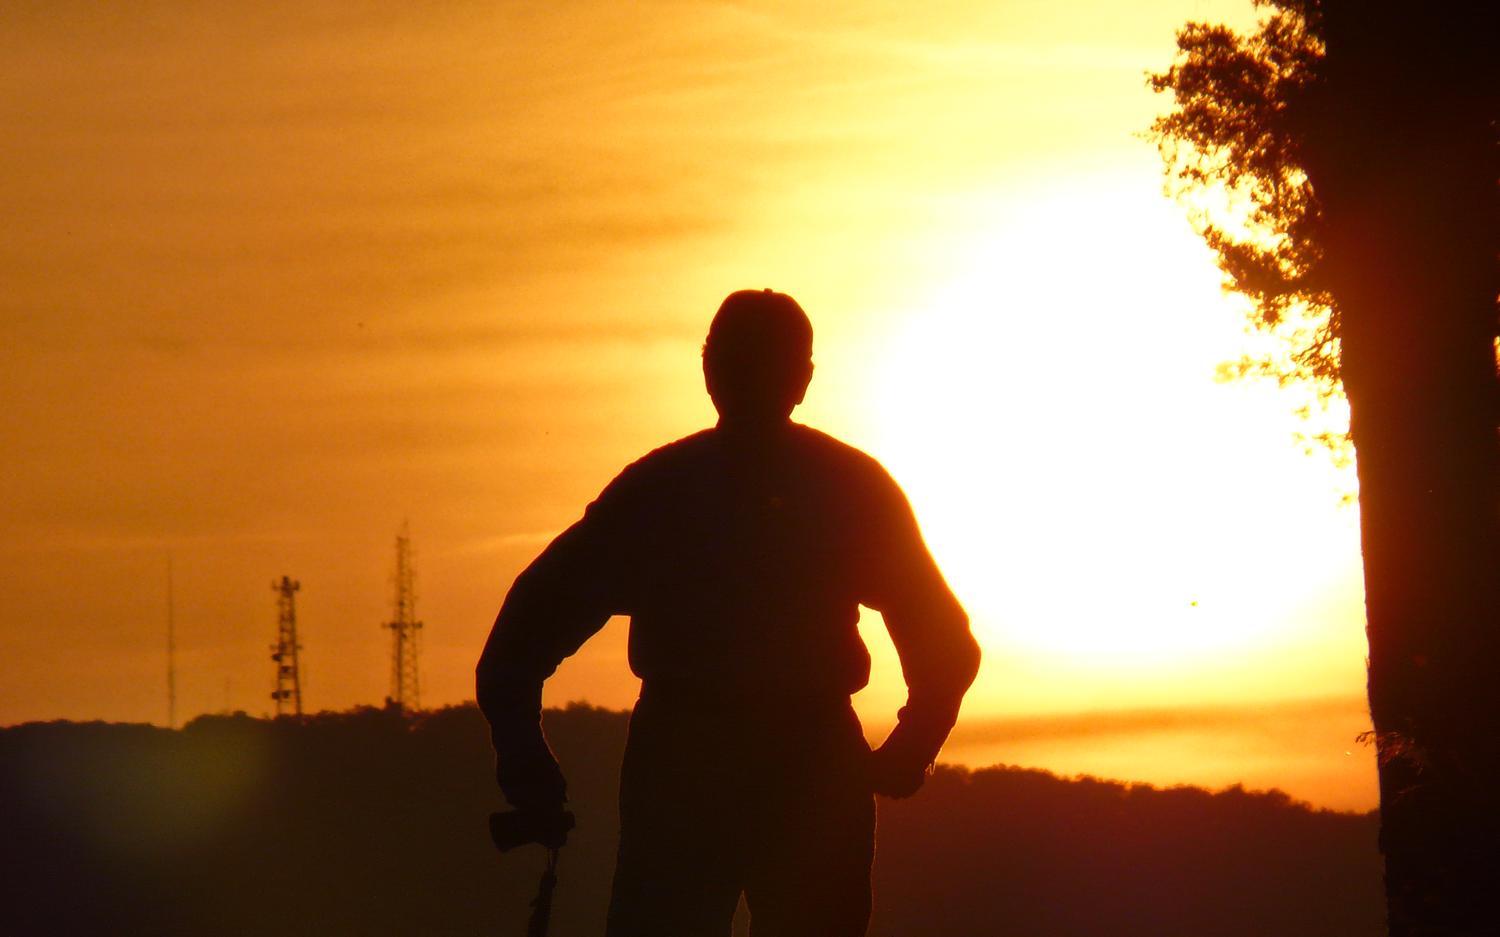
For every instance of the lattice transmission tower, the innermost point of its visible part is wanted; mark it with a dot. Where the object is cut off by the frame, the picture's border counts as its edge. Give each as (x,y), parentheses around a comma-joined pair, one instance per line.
(406,690)
(288,692)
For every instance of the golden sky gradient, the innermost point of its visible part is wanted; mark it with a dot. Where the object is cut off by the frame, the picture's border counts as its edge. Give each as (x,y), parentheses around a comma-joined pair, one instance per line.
(280,276)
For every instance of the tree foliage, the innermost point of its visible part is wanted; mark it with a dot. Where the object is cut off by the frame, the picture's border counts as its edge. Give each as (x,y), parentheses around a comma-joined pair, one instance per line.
(1233,148)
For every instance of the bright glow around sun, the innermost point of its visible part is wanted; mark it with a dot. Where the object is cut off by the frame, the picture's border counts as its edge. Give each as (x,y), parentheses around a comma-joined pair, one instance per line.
(1090,491)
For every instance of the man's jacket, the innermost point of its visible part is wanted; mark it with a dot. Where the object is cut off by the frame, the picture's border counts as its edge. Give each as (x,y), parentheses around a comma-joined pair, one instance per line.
(741,560)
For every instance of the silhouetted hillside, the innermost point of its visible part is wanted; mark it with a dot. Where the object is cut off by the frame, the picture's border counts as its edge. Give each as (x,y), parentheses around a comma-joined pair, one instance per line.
(367,824)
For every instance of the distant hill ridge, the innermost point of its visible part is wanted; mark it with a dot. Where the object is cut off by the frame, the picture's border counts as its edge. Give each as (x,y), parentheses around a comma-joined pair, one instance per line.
(370,823)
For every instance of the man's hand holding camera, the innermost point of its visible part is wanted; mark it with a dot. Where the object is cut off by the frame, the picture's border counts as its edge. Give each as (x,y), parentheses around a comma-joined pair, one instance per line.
(532,782)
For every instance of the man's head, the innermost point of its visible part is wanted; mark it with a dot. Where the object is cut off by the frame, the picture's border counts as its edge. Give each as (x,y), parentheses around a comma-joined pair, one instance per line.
(757,360)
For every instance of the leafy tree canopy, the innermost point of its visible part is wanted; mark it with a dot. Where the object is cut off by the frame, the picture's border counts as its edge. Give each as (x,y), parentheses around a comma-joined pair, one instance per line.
(1234,149)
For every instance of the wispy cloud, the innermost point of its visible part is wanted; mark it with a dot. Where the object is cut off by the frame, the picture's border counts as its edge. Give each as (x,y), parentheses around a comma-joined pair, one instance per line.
(1124,722)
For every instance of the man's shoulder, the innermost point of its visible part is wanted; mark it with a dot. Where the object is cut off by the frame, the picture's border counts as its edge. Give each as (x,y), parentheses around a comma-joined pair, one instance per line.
(833,447)
(850,462)
(685,450)
(663,462)
(813,443)
(823,454)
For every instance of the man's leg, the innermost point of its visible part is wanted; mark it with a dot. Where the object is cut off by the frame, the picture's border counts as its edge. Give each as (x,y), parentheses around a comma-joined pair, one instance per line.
(814,840)
(678,872)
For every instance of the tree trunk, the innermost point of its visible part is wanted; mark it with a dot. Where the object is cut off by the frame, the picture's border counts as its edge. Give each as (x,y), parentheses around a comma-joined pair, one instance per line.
(1403,160)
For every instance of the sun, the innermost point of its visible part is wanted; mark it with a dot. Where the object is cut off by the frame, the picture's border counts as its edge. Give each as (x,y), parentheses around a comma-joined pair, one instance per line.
(1088,488)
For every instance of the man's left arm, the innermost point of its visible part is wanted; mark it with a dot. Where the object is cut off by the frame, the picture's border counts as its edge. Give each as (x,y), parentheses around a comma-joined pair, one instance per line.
(938,653)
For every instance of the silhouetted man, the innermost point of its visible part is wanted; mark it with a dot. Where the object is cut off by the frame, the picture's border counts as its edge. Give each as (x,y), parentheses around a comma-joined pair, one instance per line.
(741,554)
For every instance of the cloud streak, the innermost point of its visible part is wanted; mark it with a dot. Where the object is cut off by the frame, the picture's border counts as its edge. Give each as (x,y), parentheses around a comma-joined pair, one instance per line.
(1114,722)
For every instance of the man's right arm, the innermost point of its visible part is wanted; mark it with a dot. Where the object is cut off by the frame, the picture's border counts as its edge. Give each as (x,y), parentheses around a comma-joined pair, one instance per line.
(559,601)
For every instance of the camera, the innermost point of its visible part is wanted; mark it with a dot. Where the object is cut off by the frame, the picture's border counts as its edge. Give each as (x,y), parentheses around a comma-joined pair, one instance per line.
(518,827)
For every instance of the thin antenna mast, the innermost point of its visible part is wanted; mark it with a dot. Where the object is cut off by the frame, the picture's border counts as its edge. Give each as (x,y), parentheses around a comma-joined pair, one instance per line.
(171,650)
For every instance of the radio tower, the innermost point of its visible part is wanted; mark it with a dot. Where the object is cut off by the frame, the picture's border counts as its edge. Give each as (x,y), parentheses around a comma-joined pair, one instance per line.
(406,693)
(288,693)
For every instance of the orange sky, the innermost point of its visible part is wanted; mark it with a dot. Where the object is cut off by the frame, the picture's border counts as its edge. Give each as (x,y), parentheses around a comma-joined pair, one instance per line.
(280,276)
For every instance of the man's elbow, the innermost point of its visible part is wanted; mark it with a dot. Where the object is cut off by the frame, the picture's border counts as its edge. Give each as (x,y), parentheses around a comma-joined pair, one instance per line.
(966,658)
(488,670)
(488,685)
(953,663)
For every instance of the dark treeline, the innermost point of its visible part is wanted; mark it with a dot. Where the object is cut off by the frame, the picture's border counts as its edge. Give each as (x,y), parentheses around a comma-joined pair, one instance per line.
(367,823)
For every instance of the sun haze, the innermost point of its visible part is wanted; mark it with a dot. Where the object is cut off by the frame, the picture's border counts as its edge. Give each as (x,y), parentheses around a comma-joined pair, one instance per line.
(280,277)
